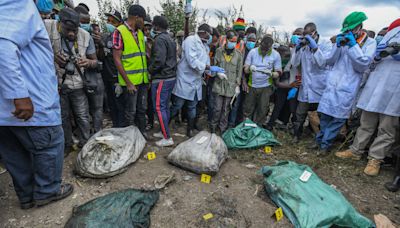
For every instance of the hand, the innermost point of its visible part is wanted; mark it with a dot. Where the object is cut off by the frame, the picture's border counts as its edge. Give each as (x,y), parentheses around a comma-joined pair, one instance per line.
(339,38)
(295,84)
(222,76)
(352,40)
(311,42)
(237,90)
(97,37)
(253,68)
(85,63)
(275,75)
(245,87)
(61,60)
(118,90)
(131,88)
(217,69)
(23,108)
(188,8)
(292,93)
(378,51)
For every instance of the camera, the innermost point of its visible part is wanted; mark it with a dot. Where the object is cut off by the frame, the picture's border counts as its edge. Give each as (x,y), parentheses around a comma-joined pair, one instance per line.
(391,49)
(344,42)
(303,41)
(70,66)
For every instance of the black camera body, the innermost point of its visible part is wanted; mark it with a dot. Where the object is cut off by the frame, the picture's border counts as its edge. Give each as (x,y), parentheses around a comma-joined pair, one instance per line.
(70,66)
(391,49)
(303,41)
(344,41)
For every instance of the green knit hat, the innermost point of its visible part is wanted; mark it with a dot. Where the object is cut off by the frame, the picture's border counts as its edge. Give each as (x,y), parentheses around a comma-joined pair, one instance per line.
(353,20)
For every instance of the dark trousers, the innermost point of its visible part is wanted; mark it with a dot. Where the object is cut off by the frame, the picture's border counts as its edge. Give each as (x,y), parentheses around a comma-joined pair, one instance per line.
(116,107)
(75,101)
(283,107)
(150,107)
(135,107)
(221,112)
(34,157)
(236,113)
(190,105)
(96,100)
(161,94)
(301,115)
(256,105)
(330,128)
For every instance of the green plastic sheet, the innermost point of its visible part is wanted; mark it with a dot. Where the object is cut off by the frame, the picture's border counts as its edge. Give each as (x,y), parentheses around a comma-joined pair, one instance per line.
(310,203)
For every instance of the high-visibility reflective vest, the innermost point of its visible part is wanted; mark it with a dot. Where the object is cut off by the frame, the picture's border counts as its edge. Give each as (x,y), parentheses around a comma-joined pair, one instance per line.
(133,57)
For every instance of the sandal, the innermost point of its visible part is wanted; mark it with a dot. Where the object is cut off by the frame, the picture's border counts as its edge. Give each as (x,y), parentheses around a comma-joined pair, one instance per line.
(65,191)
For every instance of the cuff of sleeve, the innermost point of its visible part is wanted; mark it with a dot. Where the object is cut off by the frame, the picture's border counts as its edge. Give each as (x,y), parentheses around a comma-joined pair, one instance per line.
(355,51)
(17,94)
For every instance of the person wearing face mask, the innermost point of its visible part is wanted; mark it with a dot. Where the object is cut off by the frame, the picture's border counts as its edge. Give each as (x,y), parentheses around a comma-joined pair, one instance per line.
(162,68)
(349,58)
(110,72)
(129,51)
(380,109)
(380,35)
(45,8)
(263,64)
(311,56)
(226,85)
(236,114)
(195,61)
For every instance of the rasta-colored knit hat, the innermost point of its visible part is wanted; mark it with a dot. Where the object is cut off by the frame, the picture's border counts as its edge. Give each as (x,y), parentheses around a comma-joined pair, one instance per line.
(353,20)
(239,24)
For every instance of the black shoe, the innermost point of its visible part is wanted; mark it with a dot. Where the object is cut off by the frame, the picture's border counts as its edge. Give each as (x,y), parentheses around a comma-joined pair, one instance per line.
(393,186)
(67,151)
(313,146)
(27,205)
(295,139)
(212,129)
(268,127)
(189,130)
(65,191)
(195,124)
(323,152)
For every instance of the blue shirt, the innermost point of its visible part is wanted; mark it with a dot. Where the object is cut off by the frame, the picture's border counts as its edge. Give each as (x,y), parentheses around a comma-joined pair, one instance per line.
(271,62)
(26,65)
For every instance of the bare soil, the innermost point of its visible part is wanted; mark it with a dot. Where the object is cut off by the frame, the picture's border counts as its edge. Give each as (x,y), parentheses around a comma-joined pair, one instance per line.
(235,196)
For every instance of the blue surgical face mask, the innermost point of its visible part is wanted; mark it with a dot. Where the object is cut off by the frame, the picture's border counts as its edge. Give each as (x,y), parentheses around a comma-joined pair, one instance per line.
(230,45)
(250,45)
(57,17)
(153,34)
(209,40)
(86,27)
(378,39)
(110,28)
(294,39)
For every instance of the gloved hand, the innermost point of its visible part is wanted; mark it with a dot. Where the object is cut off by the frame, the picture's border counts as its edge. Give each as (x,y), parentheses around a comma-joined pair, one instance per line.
(237,90)
(222,76)
(253,68)
(378,51)
(118,90)
(292,93)
(275,75)
(339,39)
(311,42)
(217,69)
(352,40)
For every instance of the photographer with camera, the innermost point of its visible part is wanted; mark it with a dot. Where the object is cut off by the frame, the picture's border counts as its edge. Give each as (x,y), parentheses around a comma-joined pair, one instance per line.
(312,58)
(349,58)
(76,55)
(379,105)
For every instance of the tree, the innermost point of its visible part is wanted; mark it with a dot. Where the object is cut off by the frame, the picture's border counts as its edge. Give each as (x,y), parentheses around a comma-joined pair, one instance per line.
(175,14)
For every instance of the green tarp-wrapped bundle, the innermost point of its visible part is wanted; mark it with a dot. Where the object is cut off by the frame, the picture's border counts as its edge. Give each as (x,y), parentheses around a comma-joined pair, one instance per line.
(309,202)
(128,208)
(248,135)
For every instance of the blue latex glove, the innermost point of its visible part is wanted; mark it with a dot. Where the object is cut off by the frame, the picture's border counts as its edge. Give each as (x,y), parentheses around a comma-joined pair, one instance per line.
(352,40)
(217,69)
(292,93)
(311,42)
(378,51)
(339,39)
(396,57)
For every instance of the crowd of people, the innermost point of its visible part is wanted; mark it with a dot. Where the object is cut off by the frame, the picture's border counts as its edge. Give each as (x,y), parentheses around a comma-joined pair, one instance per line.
(135,70)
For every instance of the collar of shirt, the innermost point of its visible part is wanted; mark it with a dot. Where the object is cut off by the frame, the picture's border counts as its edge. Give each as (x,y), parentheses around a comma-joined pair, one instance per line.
(134,32)
(268,53)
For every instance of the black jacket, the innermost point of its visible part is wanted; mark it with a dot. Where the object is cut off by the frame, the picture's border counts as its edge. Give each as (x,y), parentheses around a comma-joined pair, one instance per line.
(163,58)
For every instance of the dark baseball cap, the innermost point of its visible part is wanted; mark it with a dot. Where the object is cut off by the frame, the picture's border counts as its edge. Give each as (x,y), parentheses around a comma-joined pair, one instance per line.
(115,14)
(69,15)
(137,10)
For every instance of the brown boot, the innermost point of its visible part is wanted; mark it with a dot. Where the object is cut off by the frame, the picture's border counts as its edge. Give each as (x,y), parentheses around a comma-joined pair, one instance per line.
(373,167)
(348,154)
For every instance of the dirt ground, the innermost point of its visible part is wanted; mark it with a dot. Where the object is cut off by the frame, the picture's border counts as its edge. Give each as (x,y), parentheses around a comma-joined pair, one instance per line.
(235,196)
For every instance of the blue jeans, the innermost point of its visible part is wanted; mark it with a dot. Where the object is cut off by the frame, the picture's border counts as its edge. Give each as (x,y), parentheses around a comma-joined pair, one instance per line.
(236,114)
(191,106)
(161,95)
(34,157)
(330,128)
